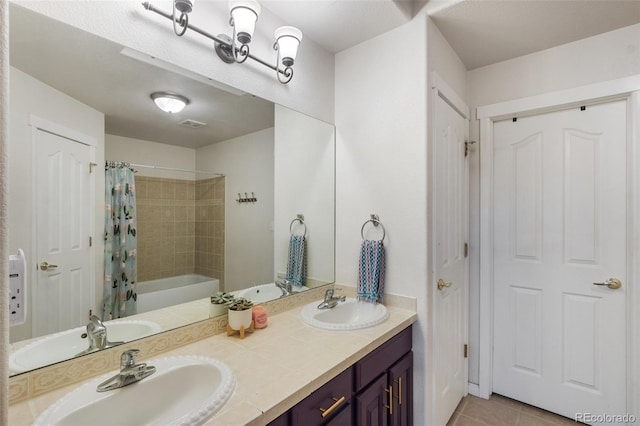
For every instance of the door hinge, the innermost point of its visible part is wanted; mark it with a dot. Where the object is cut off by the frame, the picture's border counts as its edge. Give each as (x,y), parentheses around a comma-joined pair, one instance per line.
(466,350)
(90,241)
(466,249)
(91,166)
(466,147)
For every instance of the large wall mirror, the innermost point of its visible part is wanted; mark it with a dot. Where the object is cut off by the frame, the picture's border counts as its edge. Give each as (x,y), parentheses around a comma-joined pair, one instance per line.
(223,190)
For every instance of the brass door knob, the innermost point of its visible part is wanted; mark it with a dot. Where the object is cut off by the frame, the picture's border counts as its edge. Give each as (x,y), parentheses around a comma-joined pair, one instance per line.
(612,283)
(45,266)
(442,284)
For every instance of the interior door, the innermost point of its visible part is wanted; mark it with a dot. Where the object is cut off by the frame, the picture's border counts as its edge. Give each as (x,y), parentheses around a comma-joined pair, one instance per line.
(62,293)
(559,227)
(450,230)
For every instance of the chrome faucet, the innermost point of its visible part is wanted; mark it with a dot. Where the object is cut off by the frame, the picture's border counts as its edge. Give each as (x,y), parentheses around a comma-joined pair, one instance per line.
(97,335)
(285,286)
(130,372)
(330,301)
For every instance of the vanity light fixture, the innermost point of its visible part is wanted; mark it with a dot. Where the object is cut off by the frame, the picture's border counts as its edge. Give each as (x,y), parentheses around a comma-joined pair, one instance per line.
(244,14)
(287,41)
(243,17)
(169,102)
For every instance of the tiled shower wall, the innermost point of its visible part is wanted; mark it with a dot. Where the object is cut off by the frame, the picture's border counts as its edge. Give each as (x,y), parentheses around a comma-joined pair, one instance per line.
(180,227)
(209,229)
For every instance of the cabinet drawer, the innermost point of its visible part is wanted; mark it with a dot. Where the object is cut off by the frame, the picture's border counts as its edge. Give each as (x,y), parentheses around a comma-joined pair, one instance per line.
(370,367)
(344,417)
(309,411)
(283,420)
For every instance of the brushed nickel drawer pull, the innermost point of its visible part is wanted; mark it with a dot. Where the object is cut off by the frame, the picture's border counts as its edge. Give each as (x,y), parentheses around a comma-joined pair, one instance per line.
(336,404)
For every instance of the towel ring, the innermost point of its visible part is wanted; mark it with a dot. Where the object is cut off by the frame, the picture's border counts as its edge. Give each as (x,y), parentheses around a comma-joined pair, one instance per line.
(375,223)
(301,222)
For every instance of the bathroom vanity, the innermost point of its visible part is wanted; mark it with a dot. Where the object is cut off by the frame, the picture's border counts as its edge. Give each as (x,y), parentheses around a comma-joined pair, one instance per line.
(376,390)
(288,371)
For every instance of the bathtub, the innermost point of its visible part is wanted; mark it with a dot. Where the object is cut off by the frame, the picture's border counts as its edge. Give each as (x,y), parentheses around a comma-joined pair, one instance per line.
(163,292)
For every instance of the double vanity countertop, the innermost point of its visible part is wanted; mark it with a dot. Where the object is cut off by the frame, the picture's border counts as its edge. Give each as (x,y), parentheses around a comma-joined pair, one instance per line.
(275,367)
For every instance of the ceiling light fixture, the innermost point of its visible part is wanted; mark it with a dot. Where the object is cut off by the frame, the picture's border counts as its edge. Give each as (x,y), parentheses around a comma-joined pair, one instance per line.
(169,102)
(243,17)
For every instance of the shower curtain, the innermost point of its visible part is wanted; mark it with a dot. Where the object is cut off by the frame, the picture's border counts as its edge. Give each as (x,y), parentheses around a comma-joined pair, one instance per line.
(120,264)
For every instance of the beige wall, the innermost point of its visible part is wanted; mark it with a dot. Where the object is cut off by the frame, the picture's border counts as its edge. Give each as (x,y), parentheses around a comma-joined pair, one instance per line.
(304,178)
(381,155)
(604,57)
(248,165)
(31,97)
(120,148)
(4,282)
(444,60)
(180,221)
(127,23)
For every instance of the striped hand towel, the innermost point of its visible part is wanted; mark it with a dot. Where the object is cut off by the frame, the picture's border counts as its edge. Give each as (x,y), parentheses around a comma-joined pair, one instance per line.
(371,271)
(297,261)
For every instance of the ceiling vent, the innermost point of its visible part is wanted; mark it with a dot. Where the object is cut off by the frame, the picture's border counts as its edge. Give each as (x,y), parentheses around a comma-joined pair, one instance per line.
(192,124)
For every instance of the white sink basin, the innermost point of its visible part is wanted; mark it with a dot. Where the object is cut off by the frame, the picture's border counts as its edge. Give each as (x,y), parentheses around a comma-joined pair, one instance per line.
(348,315)
(184,390)
(266,292)
(67,344)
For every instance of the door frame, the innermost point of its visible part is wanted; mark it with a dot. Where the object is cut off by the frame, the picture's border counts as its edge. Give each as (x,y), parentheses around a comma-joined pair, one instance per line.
(440,89)
(41,124)
(627,89)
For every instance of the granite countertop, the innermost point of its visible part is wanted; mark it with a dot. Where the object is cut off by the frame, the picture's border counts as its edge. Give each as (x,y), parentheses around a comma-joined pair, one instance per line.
(275,367)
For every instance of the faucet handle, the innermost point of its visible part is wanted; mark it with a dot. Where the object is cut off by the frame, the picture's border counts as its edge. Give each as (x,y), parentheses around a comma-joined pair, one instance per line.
(96,320)
(128,358)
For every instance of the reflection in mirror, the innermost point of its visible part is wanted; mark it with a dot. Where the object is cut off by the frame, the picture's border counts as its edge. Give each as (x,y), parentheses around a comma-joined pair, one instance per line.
(215,195)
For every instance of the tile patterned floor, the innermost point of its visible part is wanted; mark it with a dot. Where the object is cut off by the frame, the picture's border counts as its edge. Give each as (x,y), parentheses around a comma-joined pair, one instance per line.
(502,411)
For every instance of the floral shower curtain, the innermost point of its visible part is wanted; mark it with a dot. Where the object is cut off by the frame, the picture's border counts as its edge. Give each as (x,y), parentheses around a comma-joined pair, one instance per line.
(120,263)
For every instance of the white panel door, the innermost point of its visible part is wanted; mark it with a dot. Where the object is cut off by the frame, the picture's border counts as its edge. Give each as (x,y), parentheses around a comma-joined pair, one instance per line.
(559,227)
(450,204)
(62,294)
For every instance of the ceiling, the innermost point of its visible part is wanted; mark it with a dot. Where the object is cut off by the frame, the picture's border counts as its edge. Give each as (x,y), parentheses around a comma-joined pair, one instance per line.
(482,32)
(120,86)
(339,24)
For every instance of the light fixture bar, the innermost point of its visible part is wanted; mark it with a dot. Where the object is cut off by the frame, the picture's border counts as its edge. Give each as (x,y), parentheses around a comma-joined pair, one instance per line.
(147,5)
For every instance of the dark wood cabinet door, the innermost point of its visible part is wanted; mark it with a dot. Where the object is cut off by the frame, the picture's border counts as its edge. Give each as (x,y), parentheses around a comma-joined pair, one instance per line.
(371,404)
(343,418)
(401,379)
